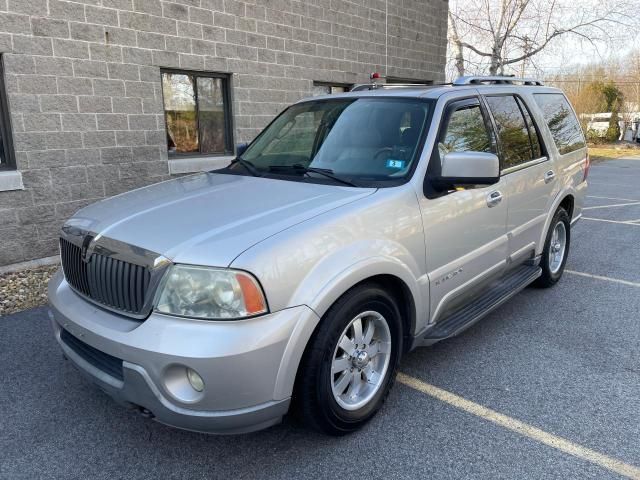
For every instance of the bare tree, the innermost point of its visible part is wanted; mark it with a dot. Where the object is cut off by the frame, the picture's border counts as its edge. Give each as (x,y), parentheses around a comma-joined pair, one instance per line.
(457,45)
(501,33)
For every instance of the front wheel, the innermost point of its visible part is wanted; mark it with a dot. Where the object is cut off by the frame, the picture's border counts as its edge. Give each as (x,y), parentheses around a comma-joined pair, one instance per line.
(350,362)
(556,249)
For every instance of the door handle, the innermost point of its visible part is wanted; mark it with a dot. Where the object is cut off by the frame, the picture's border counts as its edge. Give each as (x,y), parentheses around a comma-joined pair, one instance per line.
(494,198)
(549,176)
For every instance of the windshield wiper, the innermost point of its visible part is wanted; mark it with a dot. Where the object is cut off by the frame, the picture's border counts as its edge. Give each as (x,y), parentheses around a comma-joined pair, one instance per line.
(327,172)
(248,166)
(320,171)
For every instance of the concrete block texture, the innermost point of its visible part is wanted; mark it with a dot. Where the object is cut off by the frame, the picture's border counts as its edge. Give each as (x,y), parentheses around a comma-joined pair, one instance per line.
(83,83)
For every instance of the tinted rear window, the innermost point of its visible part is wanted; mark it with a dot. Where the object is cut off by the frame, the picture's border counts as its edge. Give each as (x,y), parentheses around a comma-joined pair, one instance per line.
(512,131)
(536,149)
(561,120)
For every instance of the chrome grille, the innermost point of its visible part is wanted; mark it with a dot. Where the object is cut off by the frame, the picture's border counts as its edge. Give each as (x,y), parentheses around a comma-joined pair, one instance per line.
(75,270)
(114,283)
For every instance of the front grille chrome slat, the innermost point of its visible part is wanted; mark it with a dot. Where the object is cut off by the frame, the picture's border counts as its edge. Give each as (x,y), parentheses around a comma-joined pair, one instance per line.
(132,286)
(106,280)
(74,268)
(125,286)
(119,280)
(102,271)
(138,286)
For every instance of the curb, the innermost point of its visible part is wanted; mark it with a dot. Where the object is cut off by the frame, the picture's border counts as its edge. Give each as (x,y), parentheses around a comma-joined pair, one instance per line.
(39,262)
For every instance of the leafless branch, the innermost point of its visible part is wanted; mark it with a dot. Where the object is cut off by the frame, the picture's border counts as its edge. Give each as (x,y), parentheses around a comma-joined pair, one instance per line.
(495,34)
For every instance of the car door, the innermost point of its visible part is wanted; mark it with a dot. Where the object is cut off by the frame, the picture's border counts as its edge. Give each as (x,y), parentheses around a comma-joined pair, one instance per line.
(465,229)
(528,174)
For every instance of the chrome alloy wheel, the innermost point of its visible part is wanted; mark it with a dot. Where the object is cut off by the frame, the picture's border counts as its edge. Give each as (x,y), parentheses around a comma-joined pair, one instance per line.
(557,247)
(360,360)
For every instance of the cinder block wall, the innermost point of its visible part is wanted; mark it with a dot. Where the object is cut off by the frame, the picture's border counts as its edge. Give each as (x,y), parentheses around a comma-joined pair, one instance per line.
(83,83)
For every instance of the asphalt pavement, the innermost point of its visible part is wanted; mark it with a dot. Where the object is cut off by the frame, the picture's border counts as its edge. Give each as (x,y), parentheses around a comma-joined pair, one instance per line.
(564,360)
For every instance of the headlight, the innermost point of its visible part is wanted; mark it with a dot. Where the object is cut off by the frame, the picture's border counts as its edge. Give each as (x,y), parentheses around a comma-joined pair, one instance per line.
(211,293)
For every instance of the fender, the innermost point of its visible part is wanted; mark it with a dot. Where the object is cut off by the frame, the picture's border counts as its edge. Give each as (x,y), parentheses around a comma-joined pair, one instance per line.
(299,265)
(315,262)
(323,286)
(332,288)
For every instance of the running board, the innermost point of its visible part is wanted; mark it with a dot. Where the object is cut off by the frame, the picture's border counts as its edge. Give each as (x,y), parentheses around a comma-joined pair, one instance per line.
(461,319)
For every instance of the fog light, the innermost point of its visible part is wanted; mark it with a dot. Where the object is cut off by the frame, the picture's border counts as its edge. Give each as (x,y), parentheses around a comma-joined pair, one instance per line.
(195,380)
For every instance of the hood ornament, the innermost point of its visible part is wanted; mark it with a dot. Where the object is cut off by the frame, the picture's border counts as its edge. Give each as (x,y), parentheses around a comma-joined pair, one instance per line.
(86,253)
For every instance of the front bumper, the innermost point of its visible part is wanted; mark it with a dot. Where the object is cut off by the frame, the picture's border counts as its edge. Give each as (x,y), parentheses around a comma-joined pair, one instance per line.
(248,366)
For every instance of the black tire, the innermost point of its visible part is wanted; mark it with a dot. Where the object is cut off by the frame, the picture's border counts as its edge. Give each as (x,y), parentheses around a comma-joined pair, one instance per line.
(314,403)
(549,278)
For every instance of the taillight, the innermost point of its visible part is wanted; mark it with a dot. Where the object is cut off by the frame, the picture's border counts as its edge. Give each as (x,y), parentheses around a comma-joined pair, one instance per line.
(587,165)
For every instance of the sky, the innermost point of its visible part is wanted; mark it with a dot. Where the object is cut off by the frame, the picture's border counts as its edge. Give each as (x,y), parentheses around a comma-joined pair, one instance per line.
(568,51)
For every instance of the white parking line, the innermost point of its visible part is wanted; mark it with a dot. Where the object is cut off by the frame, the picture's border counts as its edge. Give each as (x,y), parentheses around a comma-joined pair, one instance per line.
(612,205)
(608,168)
(522,428)
(601,277)
(630,186)
(615,198)
(622,222)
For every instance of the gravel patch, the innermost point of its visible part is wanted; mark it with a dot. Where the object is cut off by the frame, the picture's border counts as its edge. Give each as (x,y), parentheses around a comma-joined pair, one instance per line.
(24,289)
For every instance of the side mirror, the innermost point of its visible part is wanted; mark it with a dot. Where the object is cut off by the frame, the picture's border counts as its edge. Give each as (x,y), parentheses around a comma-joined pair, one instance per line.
(468,168)
(240,148)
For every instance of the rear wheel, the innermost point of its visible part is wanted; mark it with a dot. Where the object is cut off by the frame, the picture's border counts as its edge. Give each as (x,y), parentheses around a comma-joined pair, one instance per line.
(350,362)
(556,249)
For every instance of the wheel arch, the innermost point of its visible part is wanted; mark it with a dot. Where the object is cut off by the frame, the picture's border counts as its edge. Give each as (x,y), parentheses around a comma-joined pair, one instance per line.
(406,303)
(566,200)
(568,203)
(401,292)
(399,287)
(392,275)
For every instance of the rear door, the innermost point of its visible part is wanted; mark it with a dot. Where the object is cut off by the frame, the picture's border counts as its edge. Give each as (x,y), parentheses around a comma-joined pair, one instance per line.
(564,137)
(528,174)
(465,232)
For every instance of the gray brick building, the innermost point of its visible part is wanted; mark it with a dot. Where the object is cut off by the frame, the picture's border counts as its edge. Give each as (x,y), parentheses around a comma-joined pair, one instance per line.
(102,96)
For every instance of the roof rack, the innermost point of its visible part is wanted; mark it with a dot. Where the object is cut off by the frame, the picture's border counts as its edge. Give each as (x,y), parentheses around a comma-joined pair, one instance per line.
(496,80)
(376,86)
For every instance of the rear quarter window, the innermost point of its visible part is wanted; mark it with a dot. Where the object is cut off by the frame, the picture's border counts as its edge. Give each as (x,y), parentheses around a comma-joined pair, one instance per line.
(514,131)
(562,122)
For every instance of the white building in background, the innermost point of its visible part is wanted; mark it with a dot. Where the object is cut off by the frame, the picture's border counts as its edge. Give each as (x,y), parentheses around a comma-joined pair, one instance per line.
(629,124)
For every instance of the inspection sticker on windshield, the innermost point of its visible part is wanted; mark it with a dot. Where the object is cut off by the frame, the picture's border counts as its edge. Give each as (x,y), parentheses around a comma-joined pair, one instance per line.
(391,163)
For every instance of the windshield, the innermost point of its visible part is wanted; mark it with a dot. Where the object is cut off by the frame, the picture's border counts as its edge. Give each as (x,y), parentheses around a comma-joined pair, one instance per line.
(360,140)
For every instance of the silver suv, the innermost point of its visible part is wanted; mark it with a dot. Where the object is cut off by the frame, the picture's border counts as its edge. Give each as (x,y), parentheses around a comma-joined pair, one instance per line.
(352,230)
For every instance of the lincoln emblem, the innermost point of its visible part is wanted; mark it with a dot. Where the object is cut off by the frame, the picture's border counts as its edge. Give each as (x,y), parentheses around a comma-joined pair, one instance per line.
(85,248)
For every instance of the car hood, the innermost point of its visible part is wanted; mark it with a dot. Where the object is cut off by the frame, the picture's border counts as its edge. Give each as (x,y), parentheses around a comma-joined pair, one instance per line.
(210,218)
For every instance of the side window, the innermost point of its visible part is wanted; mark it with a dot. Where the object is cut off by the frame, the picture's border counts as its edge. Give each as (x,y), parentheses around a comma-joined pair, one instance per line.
(6,150)
(466,131)
(561,120)
(512,131)
(536,149)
